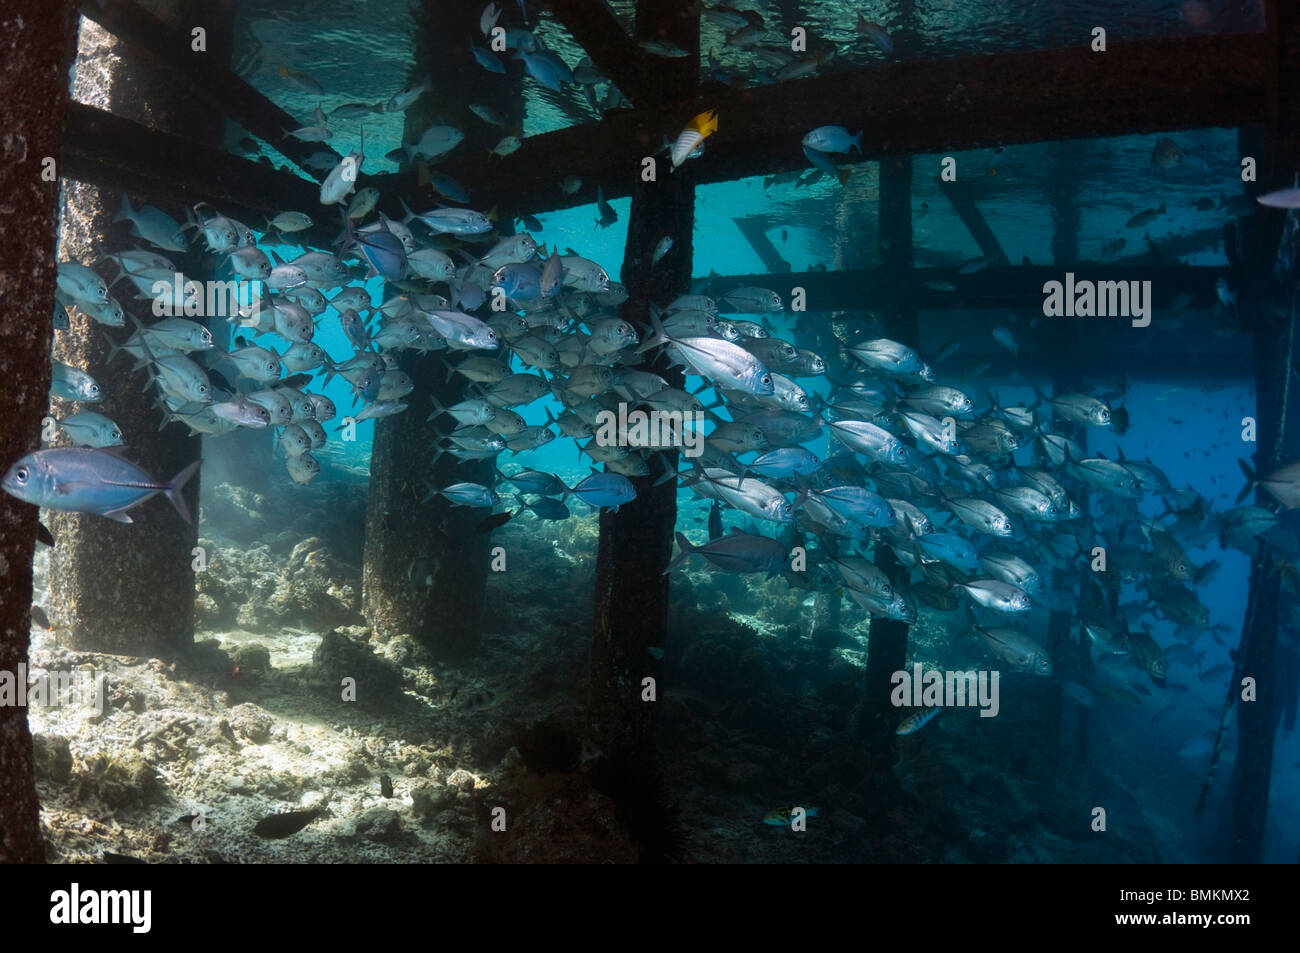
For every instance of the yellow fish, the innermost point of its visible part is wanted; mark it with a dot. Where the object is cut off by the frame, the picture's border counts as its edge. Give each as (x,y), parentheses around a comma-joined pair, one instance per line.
(705,123)
(696,131)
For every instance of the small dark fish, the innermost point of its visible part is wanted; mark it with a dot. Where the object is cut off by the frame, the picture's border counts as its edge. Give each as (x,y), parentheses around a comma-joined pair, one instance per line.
(189,819)
(420,573)
(216,377)
(495,520)
(548,509)
(715,520)
(1119,420)
(40,618)
(385,786)
(43,535)
(607,214)
(479,701)
(530,223)
(111,858)
(275,826)
(296,381)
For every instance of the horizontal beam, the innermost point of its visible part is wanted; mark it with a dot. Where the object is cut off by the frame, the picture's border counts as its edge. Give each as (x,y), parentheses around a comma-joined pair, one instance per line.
(214,86)
(937,106)
(1015,287)
(108,151)
(1000,368)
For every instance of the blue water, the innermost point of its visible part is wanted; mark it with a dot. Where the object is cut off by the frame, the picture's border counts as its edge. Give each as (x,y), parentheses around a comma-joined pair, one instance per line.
(1190,428)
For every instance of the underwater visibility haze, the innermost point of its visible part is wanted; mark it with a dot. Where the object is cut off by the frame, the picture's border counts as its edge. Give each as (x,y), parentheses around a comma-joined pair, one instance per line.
(663,431)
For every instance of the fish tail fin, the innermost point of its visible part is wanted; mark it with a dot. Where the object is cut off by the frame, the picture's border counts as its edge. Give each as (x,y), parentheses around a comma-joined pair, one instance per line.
(670,471)
(410,216)
(1251,481)
(146,358)
(657,336)
(686,549)
(856,142)
(1039,398)
(438,410)
(113,349)
(176,484)
(844,175)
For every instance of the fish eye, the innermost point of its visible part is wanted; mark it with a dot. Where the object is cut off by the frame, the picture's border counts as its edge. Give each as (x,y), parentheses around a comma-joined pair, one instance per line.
(22,474)
(114,434)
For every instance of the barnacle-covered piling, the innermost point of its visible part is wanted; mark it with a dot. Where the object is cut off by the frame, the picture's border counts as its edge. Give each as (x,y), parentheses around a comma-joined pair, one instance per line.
(117,587)
(41,41)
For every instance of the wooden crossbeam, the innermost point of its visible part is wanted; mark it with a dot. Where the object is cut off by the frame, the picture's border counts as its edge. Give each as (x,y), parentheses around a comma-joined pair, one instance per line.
(111,152)
(214,86)
(1016,287)
(938,106)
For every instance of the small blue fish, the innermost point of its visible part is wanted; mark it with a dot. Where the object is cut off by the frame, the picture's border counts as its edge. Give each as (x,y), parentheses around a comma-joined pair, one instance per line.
(876,33)
(832,139)
(383,250)
(448,187)
(366,387)
(486,60)
(822,161)
(519,281)
(547,68)
(604,489)
(468,296)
